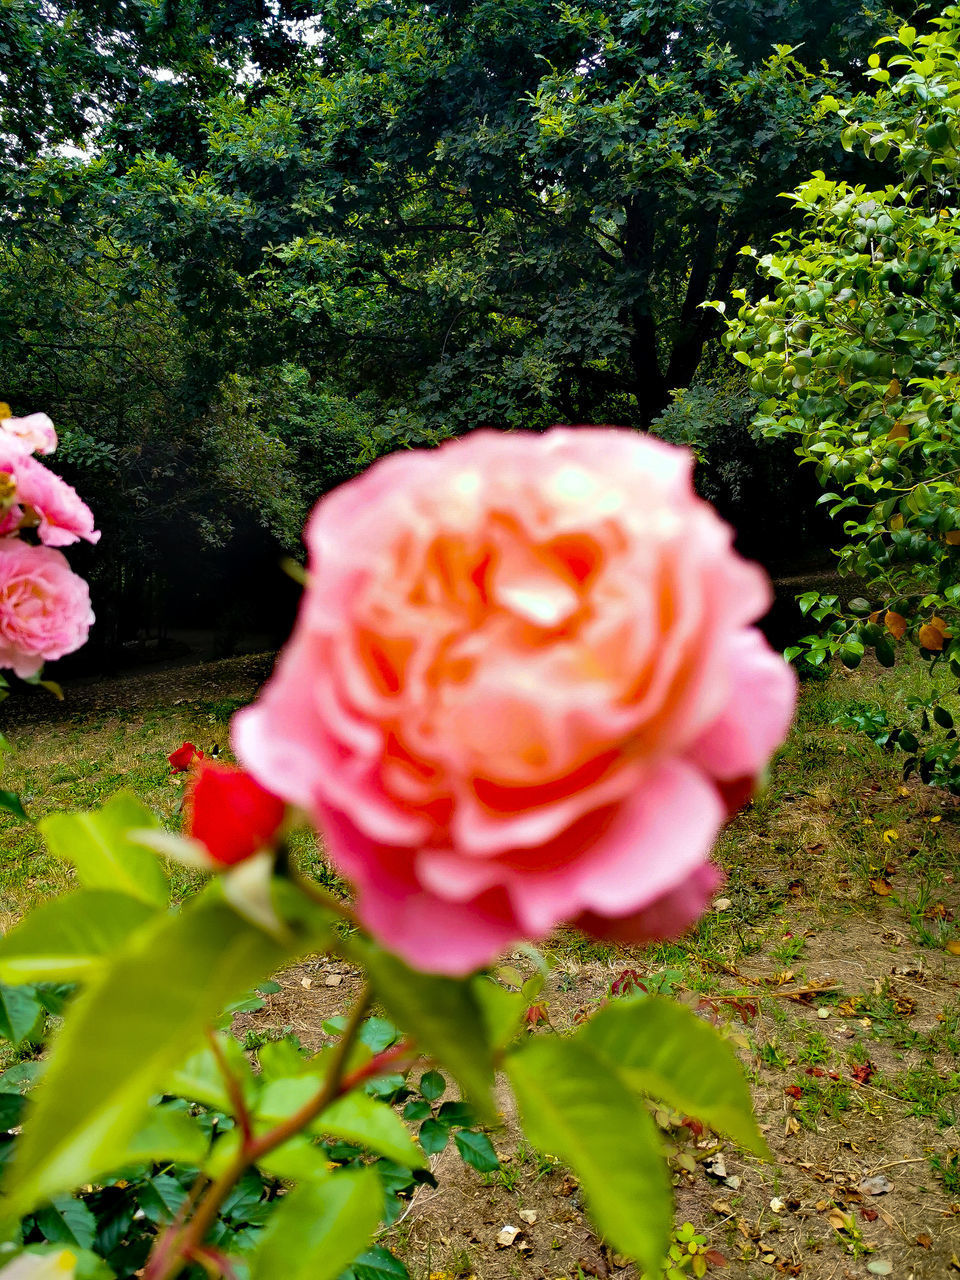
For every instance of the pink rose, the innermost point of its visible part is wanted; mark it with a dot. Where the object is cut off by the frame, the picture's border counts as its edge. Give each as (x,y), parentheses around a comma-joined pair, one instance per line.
(42,498)
(35,433)
(523,690)
(44,606)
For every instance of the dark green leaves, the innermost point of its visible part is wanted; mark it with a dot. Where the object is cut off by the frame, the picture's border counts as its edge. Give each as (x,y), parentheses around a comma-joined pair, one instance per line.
(22,1014)
(444,1015)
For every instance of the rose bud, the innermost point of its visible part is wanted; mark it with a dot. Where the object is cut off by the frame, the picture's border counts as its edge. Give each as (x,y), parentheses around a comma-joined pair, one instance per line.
(229,813)
(183,757)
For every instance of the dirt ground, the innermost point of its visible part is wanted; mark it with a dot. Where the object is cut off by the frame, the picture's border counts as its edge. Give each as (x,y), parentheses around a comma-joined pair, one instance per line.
(831,960)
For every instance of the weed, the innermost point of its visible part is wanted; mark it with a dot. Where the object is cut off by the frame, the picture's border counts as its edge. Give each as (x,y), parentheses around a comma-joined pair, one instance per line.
(947,1169)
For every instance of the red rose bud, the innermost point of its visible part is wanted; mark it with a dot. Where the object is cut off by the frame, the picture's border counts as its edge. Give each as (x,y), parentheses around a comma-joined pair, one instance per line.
(229,813)
(183,757)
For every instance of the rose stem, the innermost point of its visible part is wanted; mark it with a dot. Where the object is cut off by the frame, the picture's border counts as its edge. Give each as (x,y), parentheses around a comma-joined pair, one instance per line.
(190,1238)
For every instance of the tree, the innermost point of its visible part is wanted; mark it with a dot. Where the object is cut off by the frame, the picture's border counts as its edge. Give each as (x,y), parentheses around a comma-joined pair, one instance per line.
(516,211)
(857,354)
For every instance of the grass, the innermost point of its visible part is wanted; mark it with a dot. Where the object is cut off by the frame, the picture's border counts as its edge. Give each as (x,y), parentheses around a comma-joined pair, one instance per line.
(838,869)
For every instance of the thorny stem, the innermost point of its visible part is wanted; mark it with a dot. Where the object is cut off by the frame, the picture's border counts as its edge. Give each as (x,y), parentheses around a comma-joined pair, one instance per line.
(170,1254)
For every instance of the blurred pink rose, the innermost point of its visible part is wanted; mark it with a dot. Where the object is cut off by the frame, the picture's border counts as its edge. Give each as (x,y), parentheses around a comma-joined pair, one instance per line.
(523,690)
(35,432)
(44,606)
(42,498)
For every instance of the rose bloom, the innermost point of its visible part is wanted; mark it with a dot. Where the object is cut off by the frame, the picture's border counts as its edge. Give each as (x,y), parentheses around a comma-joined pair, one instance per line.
(183,757)
(35,433)
(229,814)
(44,607)
(39,497)
(523,690)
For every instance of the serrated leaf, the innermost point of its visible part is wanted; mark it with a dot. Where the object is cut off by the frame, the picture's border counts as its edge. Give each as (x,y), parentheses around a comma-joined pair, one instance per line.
(67,1221)
(161,1197)
(433,1136)
(575,1107)
(319,1228)
(477,1150)
(664,1050)
(68,938)
(96,843)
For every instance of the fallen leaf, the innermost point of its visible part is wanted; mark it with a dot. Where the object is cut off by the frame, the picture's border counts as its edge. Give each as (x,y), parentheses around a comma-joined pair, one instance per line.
(925,1241)
(506,1236)
(882,887)
(528,1216)
(777,1205)
(880,1267)
(953,946)
(878,1185)
(722,904)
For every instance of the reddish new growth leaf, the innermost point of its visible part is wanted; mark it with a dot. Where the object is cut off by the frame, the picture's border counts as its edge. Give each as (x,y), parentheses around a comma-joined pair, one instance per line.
(628,982)
(536,1014)
(183,757)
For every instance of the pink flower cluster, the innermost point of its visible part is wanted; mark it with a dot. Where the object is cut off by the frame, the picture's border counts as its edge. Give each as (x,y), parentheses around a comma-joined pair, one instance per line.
(44,606)
(524,689)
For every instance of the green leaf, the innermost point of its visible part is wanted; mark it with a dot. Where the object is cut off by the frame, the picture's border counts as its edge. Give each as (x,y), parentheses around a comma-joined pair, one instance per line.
(11,1109)
(21,1014)
(378,1034)
(433,1136)
(161,1198)
(319,1228)
(168,1135)
(662,1049)
(432,1085)
(97,844)
(356,1117)
(575,1106)
(502,1010)
(67,1221)
(68,938)
(199,1076)
(379,1264)
(477,1150)
(444,1016)
(127,1032)
(10,801)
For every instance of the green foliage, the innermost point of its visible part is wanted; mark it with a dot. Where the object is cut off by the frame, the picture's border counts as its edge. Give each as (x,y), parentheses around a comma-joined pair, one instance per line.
(584,1098)
(104,854)
(857,355)
(144,1115)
